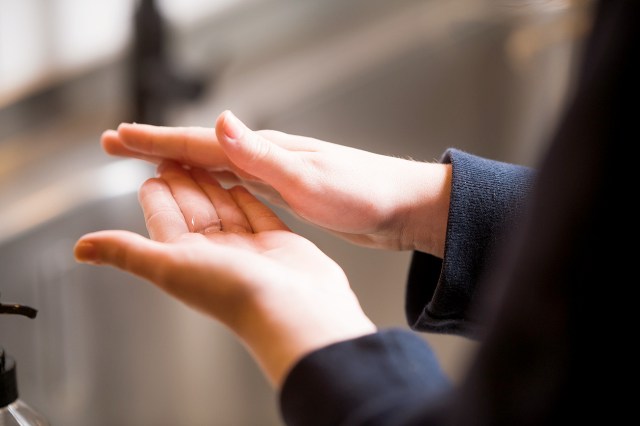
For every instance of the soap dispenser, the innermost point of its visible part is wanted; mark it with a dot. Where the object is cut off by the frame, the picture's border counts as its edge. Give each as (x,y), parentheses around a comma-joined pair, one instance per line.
(13,410)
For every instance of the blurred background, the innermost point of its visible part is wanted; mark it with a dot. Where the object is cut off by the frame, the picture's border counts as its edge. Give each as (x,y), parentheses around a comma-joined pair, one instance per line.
(406,78)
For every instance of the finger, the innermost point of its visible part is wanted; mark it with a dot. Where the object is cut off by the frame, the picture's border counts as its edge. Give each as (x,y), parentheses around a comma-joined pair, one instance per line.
(266,192)
(255,154)
(124,250)
(228,180)
(196,146)
(197,209)
(112,144)
(261,217)
(231,216)
(163,217)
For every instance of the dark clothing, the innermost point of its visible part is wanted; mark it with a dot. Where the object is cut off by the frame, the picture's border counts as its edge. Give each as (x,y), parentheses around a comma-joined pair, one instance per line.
(534,294)
(486,198)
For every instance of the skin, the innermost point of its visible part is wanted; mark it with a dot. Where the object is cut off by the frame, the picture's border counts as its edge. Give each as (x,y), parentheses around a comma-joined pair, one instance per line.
(216,247)
(376,201)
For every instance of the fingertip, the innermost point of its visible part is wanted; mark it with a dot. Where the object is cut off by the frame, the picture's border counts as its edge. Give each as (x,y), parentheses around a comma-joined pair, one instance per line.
(111,142)
(229,127)
(168,166)
(131,131)
(239,190)
(124,126)
(221,118)
(119,248)
(85,252)
(110,133)
(151,185)
(125,131)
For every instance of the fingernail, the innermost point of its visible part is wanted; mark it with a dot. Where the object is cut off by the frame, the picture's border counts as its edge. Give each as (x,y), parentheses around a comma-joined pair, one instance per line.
(233,128)
(86,252)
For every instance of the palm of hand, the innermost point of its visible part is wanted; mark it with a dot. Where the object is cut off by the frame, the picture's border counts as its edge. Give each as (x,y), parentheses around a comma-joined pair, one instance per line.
(218,250)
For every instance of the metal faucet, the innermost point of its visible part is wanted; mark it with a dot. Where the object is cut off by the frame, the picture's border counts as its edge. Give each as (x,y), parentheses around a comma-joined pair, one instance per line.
(156,84)
(16,309)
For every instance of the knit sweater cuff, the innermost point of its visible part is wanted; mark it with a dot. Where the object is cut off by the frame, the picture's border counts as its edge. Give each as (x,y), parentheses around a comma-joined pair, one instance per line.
(486,198)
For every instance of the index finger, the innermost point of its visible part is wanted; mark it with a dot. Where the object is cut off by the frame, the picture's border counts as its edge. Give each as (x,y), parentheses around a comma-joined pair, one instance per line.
(195,146)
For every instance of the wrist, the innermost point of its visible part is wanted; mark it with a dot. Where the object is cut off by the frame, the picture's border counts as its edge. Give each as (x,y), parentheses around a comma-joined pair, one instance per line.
(281,327)
(424,214)
(277,347)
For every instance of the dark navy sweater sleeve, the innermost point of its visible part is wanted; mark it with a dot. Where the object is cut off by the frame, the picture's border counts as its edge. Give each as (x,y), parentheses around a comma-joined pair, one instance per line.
(364,380)
(487,196)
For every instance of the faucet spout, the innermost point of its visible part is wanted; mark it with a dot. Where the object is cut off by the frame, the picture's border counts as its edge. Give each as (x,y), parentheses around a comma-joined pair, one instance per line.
(16,309)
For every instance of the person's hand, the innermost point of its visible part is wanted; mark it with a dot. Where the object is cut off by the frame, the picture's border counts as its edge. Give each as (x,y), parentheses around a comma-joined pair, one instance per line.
(228,255)
(370,199)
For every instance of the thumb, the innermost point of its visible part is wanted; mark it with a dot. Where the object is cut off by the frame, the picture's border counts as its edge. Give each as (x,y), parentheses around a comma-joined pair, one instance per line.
(124,250)
(253,153)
